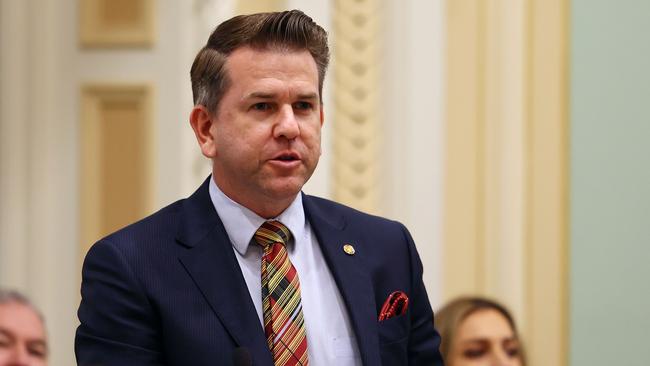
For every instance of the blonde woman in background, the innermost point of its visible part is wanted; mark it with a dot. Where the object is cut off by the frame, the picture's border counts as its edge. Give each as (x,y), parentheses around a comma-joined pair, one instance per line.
(478,332)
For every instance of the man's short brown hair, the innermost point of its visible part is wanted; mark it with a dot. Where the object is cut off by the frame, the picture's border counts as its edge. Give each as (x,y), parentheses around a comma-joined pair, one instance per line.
(287,30)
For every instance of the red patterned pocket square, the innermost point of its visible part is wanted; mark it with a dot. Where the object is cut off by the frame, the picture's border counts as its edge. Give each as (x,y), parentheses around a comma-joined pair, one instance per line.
(395,305)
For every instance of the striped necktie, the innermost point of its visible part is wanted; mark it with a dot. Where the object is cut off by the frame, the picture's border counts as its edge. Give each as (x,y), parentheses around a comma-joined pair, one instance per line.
(284,324)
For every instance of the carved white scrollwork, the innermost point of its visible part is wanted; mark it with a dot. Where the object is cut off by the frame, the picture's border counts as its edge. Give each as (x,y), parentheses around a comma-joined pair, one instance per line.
(357,135)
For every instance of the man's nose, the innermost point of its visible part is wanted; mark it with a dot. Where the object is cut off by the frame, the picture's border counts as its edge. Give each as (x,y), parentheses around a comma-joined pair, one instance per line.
(286,125)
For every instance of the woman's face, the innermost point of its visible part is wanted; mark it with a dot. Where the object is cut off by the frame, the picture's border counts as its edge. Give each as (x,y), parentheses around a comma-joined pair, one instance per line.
(485,338)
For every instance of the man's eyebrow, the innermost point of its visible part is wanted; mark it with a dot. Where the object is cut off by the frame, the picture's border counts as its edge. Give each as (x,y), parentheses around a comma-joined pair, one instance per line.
(308,96)
(259,95)
(264,95)
(38,342)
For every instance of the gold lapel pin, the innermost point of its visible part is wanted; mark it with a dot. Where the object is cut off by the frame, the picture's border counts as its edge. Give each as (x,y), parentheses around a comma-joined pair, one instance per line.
(349,249)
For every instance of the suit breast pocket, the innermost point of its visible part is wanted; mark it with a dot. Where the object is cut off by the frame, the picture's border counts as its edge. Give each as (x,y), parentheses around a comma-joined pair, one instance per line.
(394,330)
(393,340)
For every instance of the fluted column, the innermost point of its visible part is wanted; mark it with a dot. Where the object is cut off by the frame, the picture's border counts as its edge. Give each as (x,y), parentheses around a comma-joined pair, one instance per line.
(357,136)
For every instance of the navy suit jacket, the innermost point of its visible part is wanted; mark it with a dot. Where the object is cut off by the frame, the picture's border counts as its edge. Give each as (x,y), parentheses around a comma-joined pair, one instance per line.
(168,290)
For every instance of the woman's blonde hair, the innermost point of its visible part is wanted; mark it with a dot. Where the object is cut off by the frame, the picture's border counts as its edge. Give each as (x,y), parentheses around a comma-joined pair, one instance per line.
(449,318)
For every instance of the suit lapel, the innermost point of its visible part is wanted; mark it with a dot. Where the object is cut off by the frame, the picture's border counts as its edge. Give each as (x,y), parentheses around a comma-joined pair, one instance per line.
(211,263)
(349,273)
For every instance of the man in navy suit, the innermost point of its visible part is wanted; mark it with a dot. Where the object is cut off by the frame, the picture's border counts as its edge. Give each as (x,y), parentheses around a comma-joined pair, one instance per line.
(183,287)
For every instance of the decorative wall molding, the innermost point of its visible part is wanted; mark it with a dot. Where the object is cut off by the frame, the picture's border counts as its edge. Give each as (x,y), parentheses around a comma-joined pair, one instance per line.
(463,216)
(506,172)
(38,165)
(547,216)
(356,128)
(117,150)
(15,66)
(257,6)
(116,23)
(412,125)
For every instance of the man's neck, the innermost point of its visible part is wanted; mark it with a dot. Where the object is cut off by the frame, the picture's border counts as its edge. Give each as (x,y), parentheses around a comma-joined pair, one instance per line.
(263,206)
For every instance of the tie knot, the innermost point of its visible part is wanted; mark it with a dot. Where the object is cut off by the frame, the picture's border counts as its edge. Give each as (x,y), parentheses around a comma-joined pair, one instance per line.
(272,232)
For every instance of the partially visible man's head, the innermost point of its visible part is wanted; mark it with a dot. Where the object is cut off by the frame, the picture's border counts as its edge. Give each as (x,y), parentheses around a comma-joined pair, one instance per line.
(22,332)
(289,30)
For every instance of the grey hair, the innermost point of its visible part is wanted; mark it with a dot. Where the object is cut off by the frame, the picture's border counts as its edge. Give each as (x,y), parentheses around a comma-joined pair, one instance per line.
(13,296)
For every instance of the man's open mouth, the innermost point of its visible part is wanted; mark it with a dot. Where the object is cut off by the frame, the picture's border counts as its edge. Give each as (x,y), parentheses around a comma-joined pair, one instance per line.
(287,157)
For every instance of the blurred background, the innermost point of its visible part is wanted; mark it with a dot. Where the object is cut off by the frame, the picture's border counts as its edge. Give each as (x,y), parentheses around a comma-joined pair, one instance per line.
(510,136)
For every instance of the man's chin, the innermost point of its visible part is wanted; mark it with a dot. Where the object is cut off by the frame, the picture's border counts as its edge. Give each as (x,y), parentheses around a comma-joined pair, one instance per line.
(286,189)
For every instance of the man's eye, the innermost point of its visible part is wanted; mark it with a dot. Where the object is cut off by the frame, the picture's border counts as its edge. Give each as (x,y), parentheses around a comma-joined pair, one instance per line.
(302,105)
(38,352)
(261,106)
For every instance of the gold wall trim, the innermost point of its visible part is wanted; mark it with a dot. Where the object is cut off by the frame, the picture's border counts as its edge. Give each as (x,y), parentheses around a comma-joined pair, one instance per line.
(116,23)
(548,158)
(257,6)
(505,209)
(117,158)
(356,98)
(464,173)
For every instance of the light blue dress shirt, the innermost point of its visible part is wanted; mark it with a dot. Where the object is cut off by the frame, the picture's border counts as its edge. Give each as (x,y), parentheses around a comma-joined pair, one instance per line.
(330,338)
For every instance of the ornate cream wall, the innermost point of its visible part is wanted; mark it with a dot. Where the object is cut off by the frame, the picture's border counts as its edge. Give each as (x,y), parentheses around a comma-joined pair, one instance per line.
(42,104)
(357,93)
(43,69)
(38,127)
(506,170)
(412,125)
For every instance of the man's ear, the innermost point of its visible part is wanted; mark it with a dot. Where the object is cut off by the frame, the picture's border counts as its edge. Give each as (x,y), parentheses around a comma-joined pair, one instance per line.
(201,120)
(322,115)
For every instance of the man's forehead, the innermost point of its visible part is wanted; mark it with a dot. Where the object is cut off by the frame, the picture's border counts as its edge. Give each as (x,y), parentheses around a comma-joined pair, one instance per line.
(274,86)
(249,62)
(28,333)
(19,319)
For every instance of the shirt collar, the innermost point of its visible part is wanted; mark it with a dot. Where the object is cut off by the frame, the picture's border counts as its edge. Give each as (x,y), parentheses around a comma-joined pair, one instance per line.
(241,223)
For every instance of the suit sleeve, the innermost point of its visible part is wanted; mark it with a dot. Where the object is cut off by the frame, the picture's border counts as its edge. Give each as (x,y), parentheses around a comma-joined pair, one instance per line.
(424,340)
(118,325)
